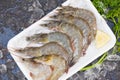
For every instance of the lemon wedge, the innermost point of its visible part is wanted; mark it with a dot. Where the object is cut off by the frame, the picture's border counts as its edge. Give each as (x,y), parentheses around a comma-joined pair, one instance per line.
(101,39)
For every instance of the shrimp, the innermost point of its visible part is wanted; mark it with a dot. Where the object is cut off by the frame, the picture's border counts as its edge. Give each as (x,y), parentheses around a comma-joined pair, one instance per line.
(75,36)
(51,24)
(61,38)
(46,49)
(37,71)
(81,24)
(82,13)
(77,39)
(56,62)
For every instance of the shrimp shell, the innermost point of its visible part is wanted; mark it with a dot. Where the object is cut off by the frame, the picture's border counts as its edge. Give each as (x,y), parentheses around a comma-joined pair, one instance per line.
(47,49)
(80,23)
(61,38)
(56,62)
(51,24)
(75,35)
(38,71)
(77,39)
(82,13)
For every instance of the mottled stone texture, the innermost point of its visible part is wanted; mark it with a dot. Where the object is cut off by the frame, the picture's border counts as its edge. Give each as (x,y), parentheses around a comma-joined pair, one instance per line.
(16,15)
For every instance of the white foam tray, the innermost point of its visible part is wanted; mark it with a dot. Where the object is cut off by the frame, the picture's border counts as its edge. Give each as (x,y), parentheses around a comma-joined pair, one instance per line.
(92,52)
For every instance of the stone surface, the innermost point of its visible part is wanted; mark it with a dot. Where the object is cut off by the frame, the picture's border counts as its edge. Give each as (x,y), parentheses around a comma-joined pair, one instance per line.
(109,66)
(113,58)
(1,54)
(10,64)
(3,68)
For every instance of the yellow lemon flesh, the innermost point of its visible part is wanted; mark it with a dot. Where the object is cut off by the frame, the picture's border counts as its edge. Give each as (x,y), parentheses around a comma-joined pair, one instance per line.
(101,39)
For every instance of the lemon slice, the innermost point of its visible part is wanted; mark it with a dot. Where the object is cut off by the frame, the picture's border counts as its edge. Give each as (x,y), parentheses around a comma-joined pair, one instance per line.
(101,39)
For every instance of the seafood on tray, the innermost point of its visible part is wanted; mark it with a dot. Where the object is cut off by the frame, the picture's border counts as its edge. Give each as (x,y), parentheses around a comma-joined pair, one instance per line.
(73,31)
(47,67)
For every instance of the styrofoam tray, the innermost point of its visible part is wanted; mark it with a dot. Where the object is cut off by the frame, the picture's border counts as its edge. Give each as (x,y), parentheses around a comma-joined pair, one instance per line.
(92,52)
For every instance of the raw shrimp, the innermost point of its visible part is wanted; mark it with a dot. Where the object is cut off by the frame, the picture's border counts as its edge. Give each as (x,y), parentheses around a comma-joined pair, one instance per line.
(82,13)
(37,71)
(56,62)
(75,36)
(61,38)
(51,24)
(47,49)
(81,24)
(77,39)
